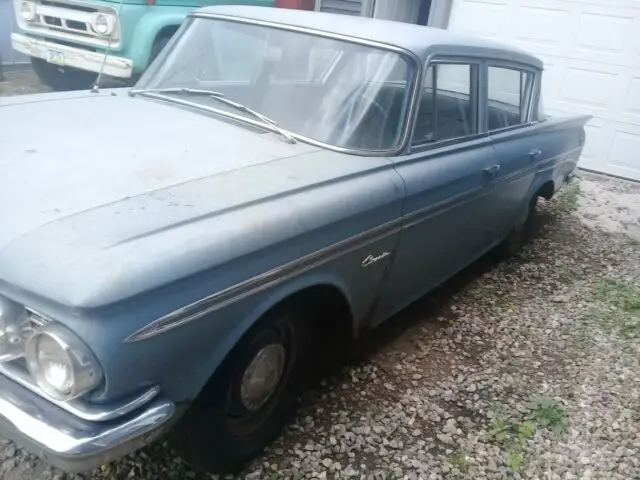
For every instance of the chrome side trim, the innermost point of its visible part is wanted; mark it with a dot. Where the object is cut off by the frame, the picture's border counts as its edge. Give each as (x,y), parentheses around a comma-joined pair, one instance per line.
(280,274)
(517,175)
(423,214)
(263,281)
(78,408)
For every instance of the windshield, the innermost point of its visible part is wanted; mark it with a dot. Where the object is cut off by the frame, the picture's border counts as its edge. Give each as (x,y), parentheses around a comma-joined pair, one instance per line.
(339,93)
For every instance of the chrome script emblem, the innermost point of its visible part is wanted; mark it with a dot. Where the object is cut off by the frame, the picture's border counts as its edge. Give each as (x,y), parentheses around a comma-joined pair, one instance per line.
(371,259)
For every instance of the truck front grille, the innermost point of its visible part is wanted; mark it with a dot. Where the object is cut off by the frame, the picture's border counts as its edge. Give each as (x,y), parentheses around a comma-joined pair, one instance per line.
(70,21)
(53,21)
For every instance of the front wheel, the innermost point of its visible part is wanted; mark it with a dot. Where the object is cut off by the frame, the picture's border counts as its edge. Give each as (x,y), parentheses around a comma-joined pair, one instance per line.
(246,403)
(62,78)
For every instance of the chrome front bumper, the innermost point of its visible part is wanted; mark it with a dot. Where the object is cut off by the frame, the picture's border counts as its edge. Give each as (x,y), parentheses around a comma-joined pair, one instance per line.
(70,443)
(73,57)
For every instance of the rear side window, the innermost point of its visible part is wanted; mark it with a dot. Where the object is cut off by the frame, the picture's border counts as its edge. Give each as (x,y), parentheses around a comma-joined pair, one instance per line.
(448,103)
(509,99)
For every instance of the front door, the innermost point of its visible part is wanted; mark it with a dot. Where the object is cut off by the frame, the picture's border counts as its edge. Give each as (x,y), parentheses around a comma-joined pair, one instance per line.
(448,180)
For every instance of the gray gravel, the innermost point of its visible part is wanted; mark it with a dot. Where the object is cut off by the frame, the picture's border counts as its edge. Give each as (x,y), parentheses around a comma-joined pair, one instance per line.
(21,81)
(445,389)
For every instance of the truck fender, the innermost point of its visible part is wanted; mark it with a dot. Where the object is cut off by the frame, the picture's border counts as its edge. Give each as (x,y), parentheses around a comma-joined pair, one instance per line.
(147,31)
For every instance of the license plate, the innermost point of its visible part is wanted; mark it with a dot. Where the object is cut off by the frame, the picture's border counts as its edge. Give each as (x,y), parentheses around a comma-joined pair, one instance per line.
(55,57)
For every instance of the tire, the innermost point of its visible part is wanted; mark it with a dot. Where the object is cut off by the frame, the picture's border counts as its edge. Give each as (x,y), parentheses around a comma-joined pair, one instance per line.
(62,78)
(224,429)
(520,235)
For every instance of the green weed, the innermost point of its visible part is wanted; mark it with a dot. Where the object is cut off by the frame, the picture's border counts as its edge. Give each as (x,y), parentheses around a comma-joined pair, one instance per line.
(515,461)
(461,462)
(570,198)
(549,414)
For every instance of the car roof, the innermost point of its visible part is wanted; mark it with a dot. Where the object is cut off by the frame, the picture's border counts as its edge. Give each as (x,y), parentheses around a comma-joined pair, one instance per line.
(416,39)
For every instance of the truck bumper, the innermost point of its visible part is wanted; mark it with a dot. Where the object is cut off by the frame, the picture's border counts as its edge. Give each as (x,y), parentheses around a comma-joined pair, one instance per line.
(70,443)
(67,56)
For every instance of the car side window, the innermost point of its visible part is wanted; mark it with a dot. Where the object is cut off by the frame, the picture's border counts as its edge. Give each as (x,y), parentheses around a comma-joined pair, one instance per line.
(509,96)
(448,103)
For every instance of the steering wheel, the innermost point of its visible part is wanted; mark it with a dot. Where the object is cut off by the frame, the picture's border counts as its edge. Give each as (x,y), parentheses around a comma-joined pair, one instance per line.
(347,112)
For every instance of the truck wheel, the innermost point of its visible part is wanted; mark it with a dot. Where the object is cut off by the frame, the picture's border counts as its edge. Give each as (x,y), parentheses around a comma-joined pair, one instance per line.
(521,234)
(250,397)
(62,78)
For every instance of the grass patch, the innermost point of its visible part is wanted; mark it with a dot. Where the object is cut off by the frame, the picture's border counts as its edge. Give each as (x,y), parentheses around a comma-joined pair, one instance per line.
(619,308)
(511,434)
(570,198)
(625,325)
(620,294)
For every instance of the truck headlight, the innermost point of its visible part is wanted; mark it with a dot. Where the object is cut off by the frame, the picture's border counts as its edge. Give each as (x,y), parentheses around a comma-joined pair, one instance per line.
(102,24)
(61,364)
(28,11)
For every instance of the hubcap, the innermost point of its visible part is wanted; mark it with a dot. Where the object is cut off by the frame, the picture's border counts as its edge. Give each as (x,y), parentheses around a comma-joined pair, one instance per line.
(262,376)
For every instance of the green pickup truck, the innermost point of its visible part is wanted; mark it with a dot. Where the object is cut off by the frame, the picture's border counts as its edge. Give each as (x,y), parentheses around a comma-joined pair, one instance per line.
(70,41)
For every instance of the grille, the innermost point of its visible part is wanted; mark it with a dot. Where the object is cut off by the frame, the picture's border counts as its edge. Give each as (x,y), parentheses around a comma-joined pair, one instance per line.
(53,21)
(70,21)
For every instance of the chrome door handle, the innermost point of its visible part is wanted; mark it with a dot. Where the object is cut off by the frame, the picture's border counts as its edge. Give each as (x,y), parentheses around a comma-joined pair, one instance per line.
(492,171)
(535,154)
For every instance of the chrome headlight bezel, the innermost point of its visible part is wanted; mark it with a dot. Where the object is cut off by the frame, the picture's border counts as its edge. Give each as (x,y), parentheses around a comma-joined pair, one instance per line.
(102,24)
(84,369)
(27,11)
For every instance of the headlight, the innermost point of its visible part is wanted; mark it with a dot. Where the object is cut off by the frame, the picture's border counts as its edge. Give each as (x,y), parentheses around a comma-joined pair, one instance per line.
(61,364)
(28,11)
(102,24)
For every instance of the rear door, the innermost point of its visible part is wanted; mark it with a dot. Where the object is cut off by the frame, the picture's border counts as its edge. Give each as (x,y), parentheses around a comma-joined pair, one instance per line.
(448,179)
(519,148)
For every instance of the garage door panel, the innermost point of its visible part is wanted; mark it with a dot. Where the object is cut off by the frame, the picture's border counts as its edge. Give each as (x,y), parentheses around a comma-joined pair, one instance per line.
(586,87)
(494,17)
(625,149)
(541,25)
(606,33)
(591,50)
(631,103)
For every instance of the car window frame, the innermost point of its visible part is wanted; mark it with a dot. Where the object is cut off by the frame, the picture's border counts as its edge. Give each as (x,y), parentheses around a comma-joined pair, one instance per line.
(412,87)
(477,81)
(533,96)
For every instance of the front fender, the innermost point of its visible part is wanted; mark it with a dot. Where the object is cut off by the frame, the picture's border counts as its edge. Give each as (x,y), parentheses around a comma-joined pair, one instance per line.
(264,305)
(140,31)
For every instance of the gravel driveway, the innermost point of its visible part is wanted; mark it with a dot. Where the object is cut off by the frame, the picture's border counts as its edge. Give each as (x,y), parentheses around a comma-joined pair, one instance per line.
(528,368)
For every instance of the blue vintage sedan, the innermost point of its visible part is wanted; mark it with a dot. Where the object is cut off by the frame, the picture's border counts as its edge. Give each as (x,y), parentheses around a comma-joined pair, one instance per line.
(171,257)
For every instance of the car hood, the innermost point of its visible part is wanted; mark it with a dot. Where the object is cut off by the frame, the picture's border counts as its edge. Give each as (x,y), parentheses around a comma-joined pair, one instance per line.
(63,156)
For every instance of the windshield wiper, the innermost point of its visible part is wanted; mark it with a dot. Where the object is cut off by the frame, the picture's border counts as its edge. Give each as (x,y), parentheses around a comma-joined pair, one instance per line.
(220,97)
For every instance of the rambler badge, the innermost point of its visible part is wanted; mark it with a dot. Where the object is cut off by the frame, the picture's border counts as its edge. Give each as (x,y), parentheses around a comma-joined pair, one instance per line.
(371,259)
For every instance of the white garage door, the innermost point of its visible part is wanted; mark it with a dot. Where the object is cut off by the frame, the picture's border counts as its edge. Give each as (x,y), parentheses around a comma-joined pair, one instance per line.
(591,50)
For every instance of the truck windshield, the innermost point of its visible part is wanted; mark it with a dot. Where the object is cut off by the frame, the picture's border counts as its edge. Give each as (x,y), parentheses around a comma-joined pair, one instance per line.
(339,93)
